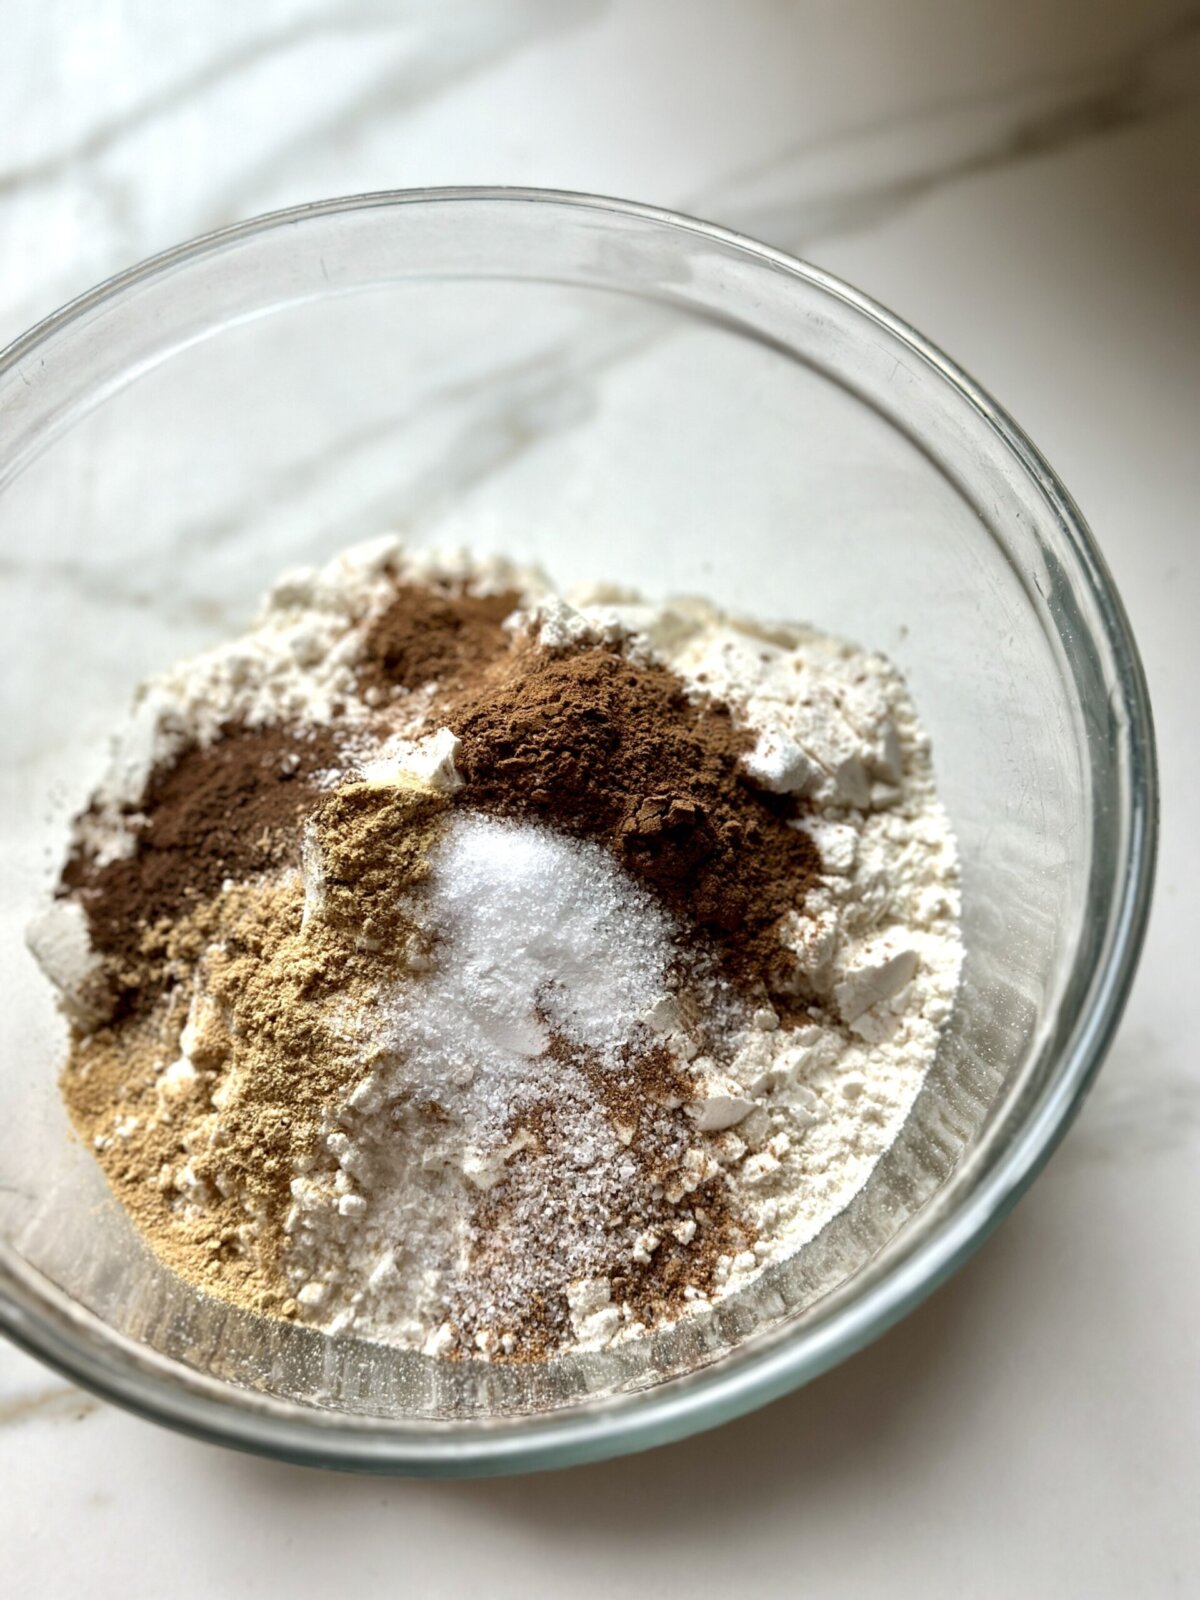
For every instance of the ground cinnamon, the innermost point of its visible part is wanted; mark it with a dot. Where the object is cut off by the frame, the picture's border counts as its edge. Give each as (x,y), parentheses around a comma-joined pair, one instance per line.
(606,748)
(426,635)
(230,809)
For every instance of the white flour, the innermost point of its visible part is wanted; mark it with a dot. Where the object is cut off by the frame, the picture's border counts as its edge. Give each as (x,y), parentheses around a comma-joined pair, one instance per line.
(880,937)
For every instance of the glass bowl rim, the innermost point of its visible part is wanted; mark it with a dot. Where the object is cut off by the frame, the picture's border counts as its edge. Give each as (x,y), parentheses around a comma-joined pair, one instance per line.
(39,1317)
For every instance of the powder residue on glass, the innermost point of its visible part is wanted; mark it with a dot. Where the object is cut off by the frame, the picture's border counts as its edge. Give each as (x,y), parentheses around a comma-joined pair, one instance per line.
(495,973)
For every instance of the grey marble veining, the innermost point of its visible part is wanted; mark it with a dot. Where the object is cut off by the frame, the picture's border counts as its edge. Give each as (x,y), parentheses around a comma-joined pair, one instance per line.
(864,175)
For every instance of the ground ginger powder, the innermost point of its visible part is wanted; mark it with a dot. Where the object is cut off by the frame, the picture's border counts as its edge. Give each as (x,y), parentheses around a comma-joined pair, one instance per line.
(202,1110)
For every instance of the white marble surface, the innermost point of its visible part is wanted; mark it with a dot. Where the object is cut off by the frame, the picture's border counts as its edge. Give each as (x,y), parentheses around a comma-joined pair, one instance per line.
(1019,180)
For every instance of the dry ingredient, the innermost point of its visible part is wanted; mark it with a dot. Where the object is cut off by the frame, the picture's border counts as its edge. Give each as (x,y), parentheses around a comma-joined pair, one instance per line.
(495,973)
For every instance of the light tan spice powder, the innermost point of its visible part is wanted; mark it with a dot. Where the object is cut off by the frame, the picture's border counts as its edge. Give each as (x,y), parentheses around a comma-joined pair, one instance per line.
(201,1146)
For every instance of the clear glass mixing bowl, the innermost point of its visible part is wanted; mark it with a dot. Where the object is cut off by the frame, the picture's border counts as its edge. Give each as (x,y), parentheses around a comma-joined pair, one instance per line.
(618,393)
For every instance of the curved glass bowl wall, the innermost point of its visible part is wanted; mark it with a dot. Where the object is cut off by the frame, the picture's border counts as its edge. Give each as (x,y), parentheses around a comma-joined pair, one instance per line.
(619,394)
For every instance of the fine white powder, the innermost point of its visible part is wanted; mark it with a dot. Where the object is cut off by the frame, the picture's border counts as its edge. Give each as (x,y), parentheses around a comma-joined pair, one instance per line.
(539,935)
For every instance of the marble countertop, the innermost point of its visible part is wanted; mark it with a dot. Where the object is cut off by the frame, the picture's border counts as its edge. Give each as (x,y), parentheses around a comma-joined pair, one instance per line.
(1020,181)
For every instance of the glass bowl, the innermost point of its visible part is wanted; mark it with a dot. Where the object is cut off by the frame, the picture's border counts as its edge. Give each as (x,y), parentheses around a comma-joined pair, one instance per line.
(623,394)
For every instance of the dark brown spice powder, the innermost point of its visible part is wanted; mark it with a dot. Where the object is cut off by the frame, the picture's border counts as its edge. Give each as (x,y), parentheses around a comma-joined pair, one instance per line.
(230,809)
(605,748)
(427,636)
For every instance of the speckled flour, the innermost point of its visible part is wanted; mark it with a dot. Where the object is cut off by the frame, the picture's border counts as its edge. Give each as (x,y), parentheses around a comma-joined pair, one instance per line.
(480,1111)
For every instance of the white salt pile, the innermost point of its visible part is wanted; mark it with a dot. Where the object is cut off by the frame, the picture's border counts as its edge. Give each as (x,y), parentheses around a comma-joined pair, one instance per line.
(539,935)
